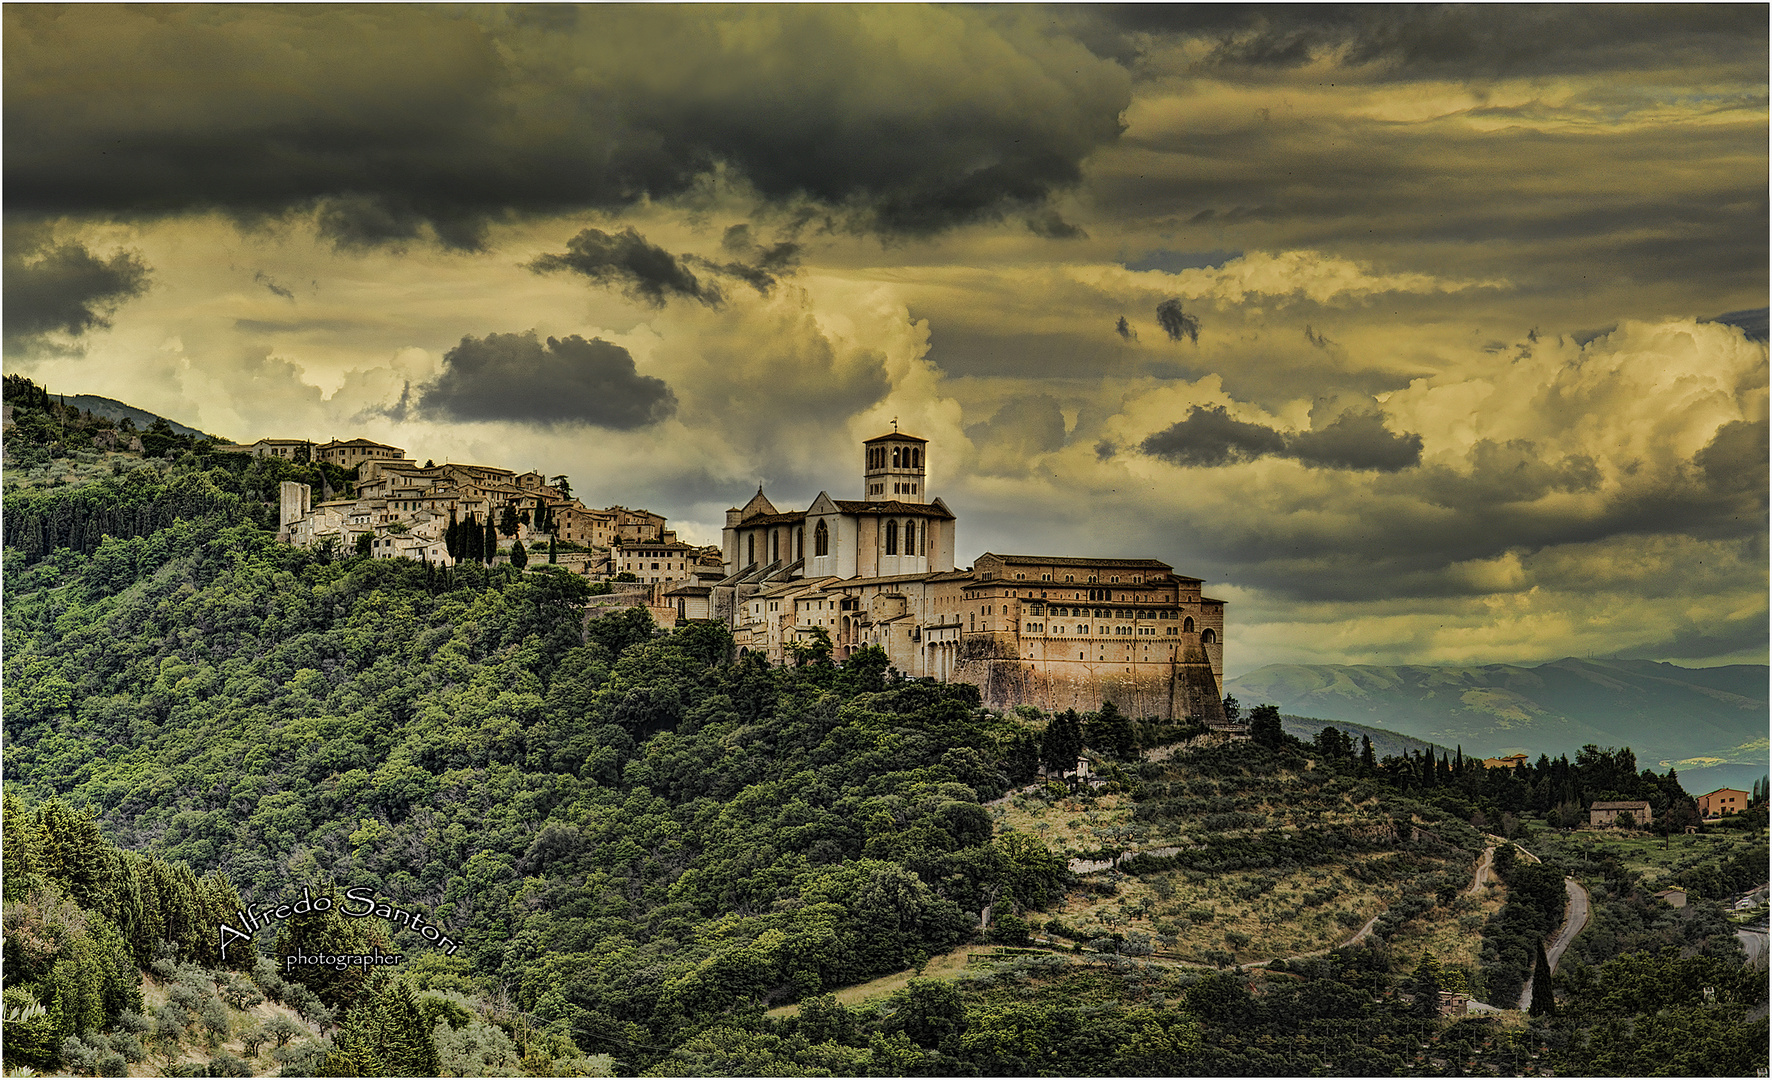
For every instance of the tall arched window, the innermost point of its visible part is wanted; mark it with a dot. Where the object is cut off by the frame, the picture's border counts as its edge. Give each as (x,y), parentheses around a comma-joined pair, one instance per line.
(1187,624)
(895,457)
(751,548)
(821,539)
(910,537)
(800,542)
(1207,637)
(774,545)
(916,457)
(892,538)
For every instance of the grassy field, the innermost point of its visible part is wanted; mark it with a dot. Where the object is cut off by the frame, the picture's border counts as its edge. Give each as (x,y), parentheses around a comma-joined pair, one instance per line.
(1655,858)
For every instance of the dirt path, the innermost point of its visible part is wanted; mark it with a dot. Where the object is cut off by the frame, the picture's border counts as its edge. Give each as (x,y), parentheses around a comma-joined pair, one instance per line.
(1485,871)
(1575,913)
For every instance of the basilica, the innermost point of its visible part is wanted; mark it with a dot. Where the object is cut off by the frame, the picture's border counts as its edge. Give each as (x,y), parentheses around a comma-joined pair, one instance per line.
(1052,631)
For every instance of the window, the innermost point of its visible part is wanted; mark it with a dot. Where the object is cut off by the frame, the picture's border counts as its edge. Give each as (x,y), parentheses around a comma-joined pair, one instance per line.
(895,457)
(1187,624)
(1068,579)
(1207,637)
(800,541)
(1045,577)
(892,538)
(821,539)
(910,538)
(751,548)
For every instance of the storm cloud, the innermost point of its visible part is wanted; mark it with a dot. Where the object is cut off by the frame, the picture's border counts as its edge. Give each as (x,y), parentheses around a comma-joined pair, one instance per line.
(1210,437)
(403,123)
(63,289)
(642,271)
(1355,440)
(569,380)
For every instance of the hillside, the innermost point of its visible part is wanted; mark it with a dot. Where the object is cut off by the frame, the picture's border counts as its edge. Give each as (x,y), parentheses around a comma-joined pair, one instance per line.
(1710,723)
(639,844)
(113,409)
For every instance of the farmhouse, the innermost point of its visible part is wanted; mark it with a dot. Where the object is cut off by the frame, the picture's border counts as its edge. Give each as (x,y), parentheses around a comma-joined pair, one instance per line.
(1606,813)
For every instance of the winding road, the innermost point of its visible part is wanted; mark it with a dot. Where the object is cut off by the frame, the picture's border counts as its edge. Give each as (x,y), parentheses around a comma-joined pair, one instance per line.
(1575,912)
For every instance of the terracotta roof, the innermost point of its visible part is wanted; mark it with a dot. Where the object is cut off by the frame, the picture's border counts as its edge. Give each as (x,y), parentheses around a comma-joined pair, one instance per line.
(774,519)
(1067,560)
(1633,804)
(894,508)
(844,583)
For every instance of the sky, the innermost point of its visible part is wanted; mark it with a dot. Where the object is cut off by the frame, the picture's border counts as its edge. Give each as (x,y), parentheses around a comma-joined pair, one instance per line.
(1421,335)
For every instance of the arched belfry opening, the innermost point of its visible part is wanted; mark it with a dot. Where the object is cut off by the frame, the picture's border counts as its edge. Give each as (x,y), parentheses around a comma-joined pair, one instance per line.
(893,468)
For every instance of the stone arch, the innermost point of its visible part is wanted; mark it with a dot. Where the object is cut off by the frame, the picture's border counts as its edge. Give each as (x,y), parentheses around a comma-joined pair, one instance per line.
(821,539)
(1207,637)
(1187,625)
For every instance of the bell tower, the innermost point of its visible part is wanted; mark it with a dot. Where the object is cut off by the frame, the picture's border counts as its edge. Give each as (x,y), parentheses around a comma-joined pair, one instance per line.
(893,468)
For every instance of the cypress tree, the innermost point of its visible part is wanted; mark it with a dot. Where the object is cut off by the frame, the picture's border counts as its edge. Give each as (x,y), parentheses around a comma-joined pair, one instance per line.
(552,557)
(472,539)
(1368,761)
(519,557)
(491,539)
(1544,1000)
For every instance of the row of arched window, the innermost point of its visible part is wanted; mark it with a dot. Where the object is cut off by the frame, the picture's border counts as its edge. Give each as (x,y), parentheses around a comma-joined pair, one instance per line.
(914,539)
(903,457)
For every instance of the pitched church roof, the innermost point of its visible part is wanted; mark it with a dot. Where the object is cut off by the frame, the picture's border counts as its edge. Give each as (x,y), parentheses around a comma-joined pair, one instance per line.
(759,504)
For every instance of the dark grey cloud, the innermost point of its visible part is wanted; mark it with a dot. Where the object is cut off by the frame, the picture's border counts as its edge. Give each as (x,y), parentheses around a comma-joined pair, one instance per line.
(1052,226)
(625,260)
(560,381)
(1697,216)
(1752,321)
(407,123)
(1210,437)
(1516,471)
(1451,40)
(1355,440)
(63,288)
(1174,262)
(271,285)
(1735,460)
(1178,323)
(1321,341)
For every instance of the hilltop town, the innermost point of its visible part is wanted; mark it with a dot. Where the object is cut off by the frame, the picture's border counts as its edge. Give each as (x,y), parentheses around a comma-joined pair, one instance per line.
(1051,631)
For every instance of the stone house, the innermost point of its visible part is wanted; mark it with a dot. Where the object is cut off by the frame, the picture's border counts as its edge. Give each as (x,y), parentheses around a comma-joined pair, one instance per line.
(1606,813)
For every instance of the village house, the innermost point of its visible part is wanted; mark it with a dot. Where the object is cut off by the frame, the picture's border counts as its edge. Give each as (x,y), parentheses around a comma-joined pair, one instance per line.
(288,449)
(1506,761)
(350,453)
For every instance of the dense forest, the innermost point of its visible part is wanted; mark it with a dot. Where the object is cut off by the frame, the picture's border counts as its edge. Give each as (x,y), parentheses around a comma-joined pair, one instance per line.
(651,855)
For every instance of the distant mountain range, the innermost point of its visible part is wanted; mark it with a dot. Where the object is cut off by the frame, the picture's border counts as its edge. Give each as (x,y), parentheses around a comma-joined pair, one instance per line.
(1710,723)
(117,410)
